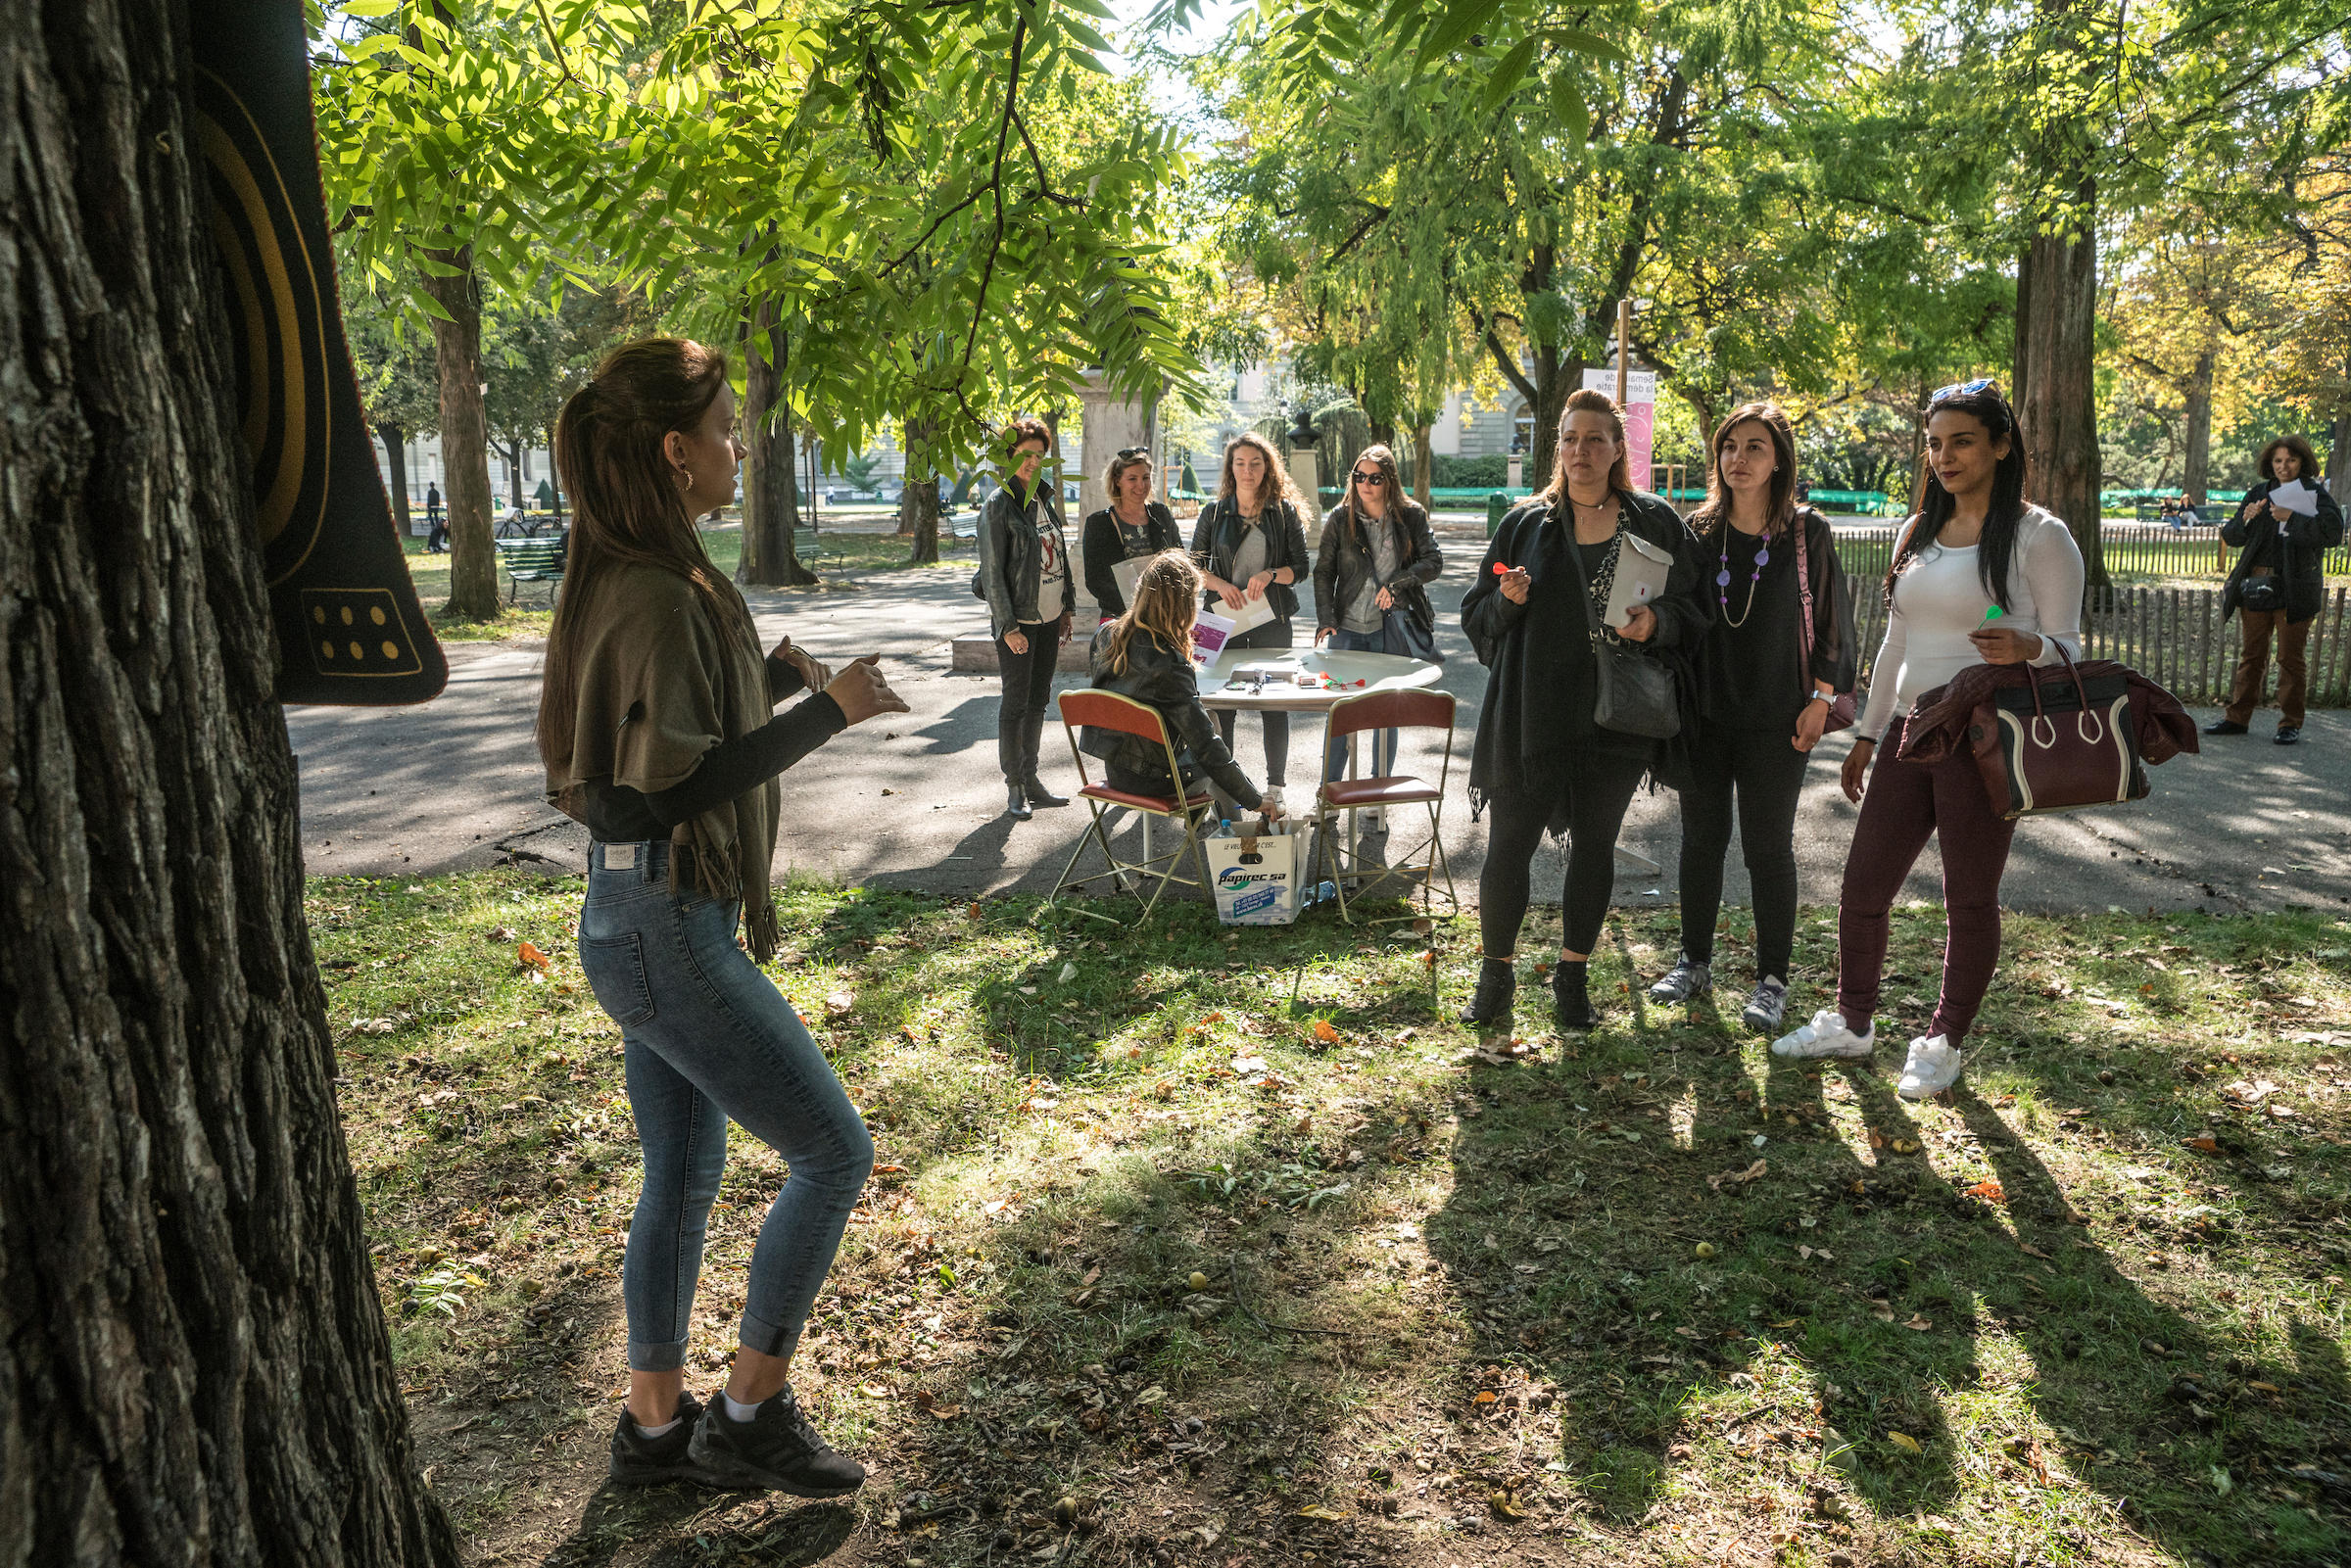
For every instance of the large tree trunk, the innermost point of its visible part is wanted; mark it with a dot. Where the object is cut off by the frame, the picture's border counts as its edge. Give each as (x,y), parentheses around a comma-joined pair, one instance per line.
(771,501)
(194,1369)
(2057,359)
(395,447)
(2197,468)
(464,438)
(2339,460)
(1553,383)
(918,499)
(1422,462)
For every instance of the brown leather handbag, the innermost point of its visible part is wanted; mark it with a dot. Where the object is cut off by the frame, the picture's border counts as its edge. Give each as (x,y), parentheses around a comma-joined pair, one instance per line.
(1841,705)
(2059,742)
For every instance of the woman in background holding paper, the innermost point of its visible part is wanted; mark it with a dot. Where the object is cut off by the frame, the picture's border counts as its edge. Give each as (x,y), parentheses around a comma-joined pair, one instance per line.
(1372,578)
(1542,759)
(1250,544)
(2288,524)
(1119,538)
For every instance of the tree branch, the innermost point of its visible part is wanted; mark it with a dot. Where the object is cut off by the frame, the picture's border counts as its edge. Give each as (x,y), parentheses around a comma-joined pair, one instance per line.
(1502,357)
(1012,88)
(1044,186)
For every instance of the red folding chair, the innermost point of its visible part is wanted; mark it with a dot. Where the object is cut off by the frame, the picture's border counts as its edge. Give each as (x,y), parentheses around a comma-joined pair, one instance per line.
(1108,710)
(1388,710)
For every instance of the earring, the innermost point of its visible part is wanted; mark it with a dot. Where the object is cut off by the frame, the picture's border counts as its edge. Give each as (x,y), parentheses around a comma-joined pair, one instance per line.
(687,489)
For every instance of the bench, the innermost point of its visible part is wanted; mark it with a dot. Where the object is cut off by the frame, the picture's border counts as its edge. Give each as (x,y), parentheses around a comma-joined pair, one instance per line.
(809,548)
(966,524)
(533,560)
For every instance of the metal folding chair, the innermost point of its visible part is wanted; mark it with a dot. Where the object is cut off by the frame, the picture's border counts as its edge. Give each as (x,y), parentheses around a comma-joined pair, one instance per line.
(1108,710)
(1388,710)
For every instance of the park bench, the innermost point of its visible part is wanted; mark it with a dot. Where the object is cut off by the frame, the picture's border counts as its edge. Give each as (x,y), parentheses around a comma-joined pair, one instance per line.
(809,547)
(965,524)
(534,560)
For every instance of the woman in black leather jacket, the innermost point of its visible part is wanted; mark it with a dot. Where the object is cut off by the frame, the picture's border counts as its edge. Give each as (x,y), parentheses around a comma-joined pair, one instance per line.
(2277,586)
(1131,528)
(1146,654)
(1378,558)
(1250,545)
(1024,576)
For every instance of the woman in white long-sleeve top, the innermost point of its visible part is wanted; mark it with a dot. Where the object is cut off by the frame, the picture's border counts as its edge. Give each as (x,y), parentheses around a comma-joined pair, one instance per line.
(1973,545)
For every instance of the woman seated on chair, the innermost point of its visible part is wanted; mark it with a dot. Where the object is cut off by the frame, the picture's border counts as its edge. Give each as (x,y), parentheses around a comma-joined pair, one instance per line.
(1146,654)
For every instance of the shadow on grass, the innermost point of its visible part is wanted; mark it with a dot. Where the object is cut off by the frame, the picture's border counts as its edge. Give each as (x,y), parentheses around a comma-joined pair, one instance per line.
(777,1533)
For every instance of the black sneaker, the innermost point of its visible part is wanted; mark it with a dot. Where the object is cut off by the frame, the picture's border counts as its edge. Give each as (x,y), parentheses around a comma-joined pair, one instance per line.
(1766,1005)
(1497,988)
(775,1450)
(1569,995)
(2288,734)
(2224,727)
(1688,978)
(642,1461)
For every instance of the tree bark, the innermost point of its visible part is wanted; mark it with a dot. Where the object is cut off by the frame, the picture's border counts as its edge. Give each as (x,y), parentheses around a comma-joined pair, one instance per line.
(771,506)
(1422,462)
(395,447)
(194,1367)
(2060,412)
(2196,472)
(464,438)
(918,497)
(2339,460)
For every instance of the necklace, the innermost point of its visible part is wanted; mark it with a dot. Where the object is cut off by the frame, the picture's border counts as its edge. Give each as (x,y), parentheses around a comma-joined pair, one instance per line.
(1722,578)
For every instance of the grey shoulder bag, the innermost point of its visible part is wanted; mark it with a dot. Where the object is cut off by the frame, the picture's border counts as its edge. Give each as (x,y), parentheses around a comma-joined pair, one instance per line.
(1634,692)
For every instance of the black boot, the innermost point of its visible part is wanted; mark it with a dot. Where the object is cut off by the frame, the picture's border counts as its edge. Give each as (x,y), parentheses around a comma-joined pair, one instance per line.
(1497,988)
(1038,795)
(1016,803)
(1576,1011)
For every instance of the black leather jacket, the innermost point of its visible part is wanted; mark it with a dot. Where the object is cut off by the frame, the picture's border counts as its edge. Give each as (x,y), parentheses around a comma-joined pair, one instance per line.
(1007,575)
(1343,564)
(2300,558)
(1164,678)
(1217,539)
(1107,543)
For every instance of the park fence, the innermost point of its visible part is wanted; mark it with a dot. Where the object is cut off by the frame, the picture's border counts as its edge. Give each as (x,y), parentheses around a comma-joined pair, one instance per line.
(2172,635)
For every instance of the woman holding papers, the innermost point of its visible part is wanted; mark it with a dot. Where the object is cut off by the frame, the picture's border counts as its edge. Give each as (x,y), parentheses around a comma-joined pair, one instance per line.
(1127,533)
(1979,576)
(1588,596)
(1778,653)
(1251,547)
(1376,561)
(2288,524)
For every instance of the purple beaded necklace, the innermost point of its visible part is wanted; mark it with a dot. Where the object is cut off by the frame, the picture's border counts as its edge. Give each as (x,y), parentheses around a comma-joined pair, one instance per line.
(1722,578)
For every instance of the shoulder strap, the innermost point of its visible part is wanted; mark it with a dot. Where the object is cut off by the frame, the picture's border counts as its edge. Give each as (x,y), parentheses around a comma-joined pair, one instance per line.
(1583,584)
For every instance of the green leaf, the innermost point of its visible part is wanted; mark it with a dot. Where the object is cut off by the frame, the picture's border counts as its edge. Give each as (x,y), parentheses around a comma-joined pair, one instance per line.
(1461,18)
(1508,74)
(1569,111)
(1577,40)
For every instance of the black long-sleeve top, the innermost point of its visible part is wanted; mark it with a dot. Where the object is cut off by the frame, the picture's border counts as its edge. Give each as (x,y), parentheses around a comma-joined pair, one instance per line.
(618,814)
(2300,558)
(1107,541)
(1752,676)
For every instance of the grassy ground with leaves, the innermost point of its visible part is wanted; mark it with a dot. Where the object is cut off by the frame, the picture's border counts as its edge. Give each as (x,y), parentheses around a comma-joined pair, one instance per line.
(1230,1248)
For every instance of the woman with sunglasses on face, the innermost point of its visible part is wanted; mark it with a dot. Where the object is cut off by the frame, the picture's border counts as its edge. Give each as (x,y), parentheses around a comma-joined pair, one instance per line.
(1377,556)
(1767,680)
(1251,544)
(1024,577)
(1131,528)
(1540,759)
(1973,545)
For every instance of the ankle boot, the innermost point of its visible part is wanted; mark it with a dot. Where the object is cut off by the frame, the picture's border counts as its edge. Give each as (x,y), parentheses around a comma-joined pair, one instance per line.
(1497,987)
(1038,795)
(1016,803)
(1568,994)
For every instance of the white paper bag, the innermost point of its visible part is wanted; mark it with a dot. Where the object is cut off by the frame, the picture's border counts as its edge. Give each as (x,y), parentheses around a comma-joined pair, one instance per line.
(1257,874)
(1640,572)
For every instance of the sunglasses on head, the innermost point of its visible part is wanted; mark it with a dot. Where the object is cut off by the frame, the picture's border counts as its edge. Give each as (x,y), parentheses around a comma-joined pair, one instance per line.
(1134,452)
(1964,389)
(1369,477)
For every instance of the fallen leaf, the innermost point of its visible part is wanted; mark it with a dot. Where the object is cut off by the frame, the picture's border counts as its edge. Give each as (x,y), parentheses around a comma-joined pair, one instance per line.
(2204,1145)
(945,1412)
(1315,1511)
(1904,1442)
(1485,1397)
(1919,1322)
(1324,1033)
(1990,1191)
(2029,1251)
(1753,1172)
(528,952)
(838,1003)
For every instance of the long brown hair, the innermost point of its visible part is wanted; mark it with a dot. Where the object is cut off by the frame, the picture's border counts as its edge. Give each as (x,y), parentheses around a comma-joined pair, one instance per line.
(626,508)
(1166,600)
(1391,486)
(1585,401)
(1278,474)
(1779,504)
(2300,449)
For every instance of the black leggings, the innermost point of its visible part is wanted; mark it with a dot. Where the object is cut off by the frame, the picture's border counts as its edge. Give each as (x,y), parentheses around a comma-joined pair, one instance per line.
(1599,786)
(1768,774)
(1272,635)
(1028,688)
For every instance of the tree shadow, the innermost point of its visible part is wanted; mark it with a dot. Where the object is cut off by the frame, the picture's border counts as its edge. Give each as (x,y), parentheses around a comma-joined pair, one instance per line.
(686,1524)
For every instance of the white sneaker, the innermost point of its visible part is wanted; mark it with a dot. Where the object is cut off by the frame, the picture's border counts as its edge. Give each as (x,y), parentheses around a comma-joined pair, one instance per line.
(1933,1068)
(1272,799)
(1826,1035)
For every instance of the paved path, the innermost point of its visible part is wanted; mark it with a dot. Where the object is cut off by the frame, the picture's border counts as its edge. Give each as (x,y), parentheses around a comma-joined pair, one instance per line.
(914,801)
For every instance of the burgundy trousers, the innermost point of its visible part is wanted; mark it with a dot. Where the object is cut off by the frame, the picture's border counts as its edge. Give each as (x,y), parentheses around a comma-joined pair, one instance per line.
(1904,805)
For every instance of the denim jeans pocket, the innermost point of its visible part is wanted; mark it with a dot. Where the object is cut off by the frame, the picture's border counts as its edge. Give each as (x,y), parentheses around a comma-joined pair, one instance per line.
(615,970)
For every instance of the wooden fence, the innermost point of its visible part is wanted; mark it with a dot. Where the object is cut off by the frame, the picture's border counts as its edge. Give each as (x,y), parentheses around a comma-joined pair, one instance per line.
(2131,550)
(2171,635)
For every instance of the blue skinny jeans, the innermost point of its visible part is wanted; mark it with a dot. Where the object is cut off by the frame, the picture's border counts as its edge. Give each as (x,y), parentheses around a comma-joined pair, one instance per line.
(705,1036)
(1380,760)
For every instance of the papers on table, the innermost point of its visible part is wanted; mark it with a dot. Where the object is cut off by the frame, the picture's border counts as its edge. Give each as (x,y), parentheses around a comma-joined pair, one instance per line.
(2298,497)
(1640,570)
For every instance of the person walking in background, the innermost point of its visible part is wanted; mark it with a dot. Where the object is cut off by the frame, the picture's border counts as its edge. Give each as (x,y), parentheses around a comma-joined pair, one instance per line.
(1131,528)
(656,729)
(437,540)
(2277,586)
(1540,759)
(1024,577)
(1146,654)
(1778,653)
(1974,545)
(1376,561)
(1250,544)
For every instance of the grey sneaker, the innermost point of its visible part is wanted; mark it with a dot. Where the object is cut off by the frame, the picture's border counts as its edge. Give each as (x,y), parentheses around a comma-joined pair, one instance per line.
(642,1461)
(1687,979)
(1765,1004)
(775,1450)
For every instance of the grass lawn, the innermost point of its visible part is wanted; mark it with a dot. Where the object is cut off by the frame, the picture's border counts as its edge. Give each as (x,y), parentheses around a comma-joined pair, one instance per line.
(1195,1246)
